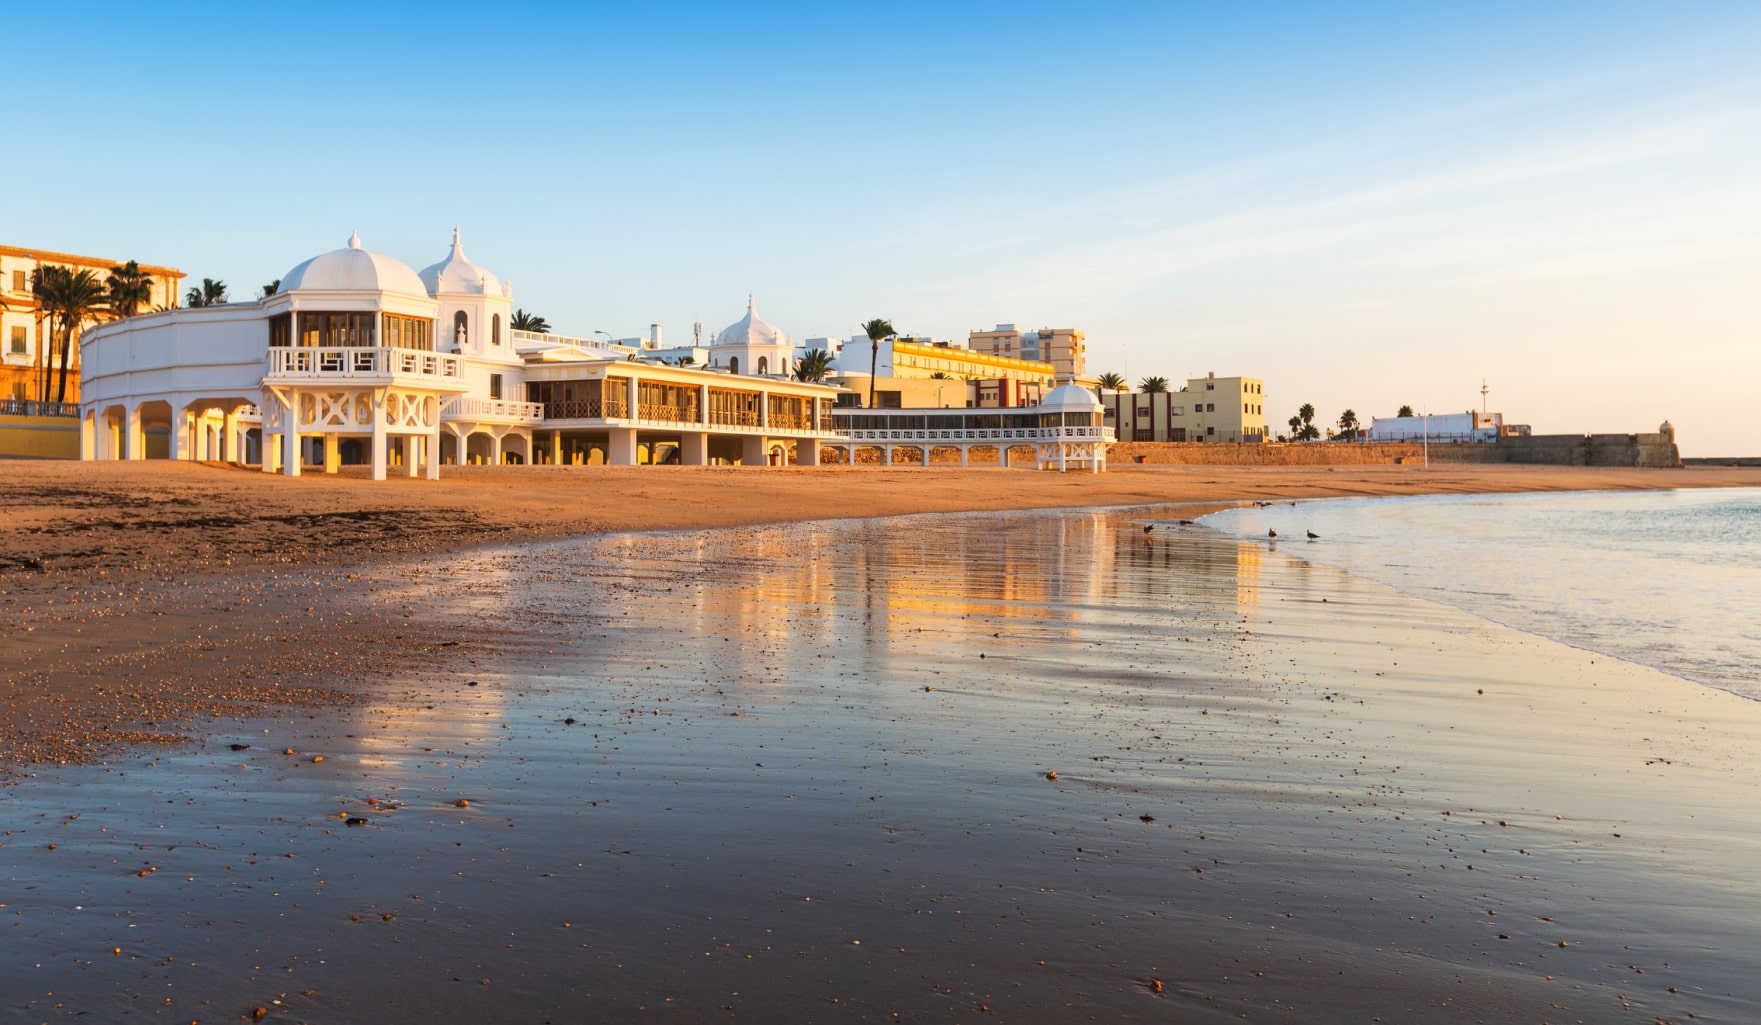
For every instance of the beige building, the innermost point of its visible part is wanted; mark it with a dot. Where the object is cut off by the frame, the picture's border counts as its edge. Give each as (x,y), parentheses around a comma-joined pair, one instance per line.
(921,372)
(26,347)
(1062,347)
(1208,409)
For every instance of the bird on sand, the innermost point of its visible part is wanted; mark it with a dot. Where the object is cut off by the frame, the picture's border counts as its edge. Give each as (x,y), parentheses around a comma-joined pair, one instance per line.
(1272,534)
(1313,536)
(1150,528)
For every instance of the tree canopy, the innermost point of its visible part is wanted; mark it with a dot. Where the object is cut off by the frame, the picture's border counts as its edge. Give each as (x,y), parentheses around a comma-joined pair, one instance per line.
(1111,381)
(129,288)
(66,299)
(813,366)
(1405,411)
(876,329)
(523,321)
(211,293)
(1153,385)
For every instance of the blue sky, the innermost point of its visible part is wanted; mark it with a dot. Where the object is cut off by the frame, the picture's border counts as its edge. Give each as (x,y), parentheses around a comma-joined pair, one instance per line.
(1364,204)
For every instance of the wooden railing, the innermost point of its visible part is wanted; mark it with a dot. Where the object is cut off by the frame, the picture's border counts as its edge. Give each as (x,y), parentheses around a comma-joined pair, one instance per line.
(585,409)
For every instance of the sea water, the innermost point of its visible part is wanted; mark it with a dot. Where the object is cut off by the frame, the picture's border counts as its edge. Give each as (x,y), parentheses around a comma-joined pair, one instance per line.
(1669,579)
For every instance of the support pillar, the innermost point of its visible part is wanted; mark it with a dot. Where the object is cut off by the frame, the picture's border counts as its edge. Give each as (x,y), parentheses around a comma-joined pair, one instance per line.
(88,435)
(135,439)
(290,456)
(494,448)
(886,455)
(1063,452)
(379,439)
(412,448)
(183,431)
(807,452)
(752,451)
(964,451)
(434,452)
(620,448)
(332,453)
(232,439)
(556,448)
(694,448)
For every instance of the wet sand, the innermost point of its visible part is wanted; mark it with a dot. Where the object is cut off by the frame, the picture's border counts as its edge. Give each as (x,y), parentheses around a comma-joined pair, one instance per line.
(807,780)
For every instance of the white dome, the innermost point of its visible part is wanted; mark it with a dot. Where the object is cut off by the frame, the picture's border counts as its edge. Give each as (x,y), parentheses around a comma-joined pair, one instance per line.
(456,275)
(1071,398)
(751,330)
(353,270)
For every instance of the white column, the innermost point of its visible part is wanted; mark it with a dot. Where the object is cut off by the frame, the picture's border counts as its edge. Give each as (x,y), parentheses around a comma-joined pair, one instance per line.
(135,439)
(290,456)
(964,450)
(494,447)
(230,437)
(753,450)
(807,452)
(694,448)
(556,448)
(886,455)
(434,452)
(379,399)
(620,449)
(412,446)
(88,435)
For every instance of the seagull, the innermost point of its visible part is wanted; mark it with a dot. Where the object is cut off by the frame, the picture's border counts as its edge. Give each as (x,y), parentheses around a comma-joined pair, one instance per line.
(1313,536)
(1272,534)
(1186,523)
(1150,528)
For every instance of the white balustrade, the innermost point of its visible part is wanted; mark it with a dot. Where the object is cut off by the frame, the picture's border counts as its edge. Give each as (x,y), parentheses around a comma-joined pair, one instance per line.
(363,361)
(492,409)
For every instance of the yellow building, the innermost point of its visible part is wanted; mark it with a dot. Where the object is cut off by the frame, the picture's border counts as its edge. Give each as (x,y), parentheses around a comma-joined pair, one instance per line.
(919,372)
(1062,347)
(1209,408)
(27,350)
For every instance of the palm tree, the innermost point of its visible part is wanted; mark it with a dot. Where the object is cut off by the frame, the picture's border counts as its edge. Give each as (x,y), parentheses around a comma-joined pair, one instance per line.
(67,300)
(1111,381)
(212,293)
(1153,385)
(1404,411)
(1347,423)
(129,288)
(270,289)
(876,329)
(523,321)
(1303,423)
(814,366)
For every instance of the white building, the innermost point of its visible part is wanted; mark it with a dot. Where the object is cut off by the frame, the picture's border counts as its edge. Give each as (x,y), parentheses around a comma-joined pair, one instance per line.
(359,359)
(1471,426)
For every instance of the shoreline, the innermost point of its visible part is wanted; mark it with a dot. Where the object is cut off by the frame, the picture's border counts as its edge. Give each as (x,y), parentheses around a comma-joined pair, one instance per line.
(202,586)
(1380,789)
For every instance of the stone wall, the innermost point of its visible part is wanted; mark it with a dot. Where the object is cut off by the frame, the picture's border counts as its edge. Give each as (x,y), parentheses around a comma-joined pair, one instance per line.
(1647,450)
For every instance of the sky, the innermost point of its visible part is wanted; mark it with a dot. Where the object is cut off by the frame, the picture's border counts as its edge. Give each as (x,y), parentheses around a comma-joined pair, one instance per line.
(1365,205)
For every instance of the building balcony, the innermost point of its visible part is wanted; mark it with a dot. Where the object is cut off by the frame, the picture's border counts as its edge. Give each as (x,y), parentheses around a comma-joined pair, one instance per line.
(364,365)
(497,411)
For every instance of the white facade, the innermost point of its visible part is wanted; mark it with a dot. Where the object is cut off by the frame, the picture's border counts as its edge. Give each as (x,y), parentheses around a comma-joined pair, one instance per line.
(359,359)
(1469,426)
(752,345)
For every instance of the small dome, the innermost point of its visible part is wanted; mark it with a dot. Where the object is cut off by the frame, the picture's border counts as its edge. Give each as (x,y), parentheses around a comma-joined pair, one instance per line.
(751,330)
(456,275)
(1071,398)
(353,269)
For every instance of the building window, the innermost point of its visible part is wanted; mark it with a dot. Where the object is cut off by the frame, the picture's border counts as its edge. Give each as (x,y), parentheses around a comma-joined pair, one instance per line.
(733,364)
(331,330)
(763,366)
(495,386)
(18,281)
(1179,410)
(461,329)
(18,344)
(1210,407)
(1210,430)
(406,332)
(495,328)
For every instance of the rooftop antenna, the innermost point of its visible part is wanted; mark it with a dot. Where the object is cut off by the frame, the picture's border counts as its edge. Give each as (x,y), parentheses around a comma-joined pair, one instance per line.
(1483,391)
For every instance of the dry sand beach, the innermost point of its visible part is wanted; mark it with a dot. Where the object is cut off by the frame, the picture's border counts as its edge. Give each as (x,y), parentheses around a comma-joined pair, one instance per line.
(430,759)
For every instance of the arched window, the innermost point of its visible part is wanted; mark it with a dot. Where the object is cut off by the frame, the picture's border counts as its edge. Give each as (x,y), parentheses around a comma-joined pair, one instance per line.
(495,323)
(461,330)
(763,366)
(733,364)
